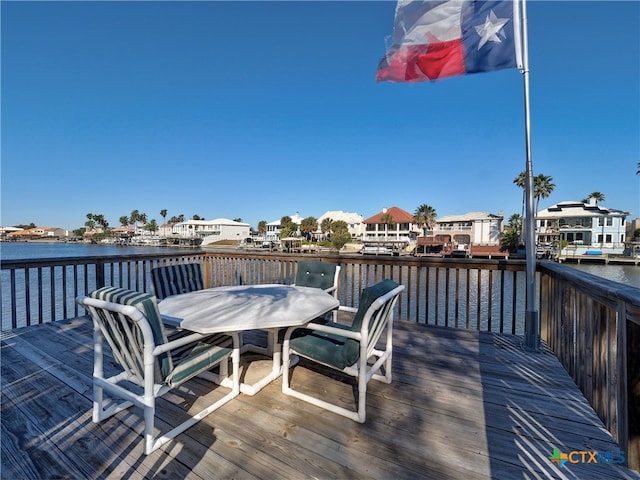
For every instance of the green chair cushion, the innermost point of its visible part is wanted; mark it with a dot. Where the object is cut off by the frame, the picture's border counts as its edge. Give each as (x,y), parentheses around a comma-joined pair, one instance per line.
(315,274)
(324,347)
(333,349)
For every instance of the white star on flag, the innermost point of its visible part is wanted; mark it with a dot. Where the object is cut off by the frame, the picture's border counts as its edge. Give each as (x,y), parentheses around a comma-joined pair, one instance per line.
(491,29)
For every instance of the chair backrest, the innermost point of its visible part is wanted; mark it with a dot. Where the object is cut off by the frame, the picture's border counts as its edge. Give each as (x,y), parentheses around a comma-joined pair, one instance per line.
(123,333)
(375,307)
(317,274)
(176,279)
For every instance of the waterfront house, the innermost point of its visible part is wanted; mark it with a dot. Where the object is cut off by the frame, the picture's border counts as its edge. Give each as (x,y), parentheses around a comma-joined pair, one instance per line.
(38,233)
(582,224)
(354,221)
(273,228)
(5,231)
(166,229)
(469,234)
(211,231)
(391,224)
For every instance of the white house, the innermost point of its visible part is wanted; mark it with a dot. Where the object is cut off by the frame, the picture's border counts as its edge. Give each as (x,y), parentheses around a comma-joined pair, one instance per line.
(473,228)
(354,221)
(212,230)
(579,223)
(273,228)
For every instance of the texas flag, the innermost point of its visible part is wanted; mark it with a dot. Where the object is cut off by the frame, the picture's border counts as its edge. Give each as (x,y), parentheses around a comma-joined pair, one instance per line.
(438,39)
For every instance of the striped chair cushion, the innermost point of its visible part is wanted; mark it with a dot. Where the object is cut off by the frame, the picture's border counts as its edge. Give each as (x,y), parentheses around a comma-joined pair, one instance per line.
(176,279)
(147,305)
(202,356)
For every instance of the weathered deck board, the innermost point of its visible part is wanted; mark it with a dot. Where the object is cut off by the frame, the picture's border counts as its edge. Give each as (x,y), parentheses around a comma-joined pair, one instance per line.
(462,405)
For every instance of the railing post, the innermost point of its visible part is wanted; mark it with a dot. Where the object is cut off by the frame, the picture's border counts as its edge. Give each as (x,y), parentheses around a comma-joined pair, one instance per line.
(630,384)
(100,279)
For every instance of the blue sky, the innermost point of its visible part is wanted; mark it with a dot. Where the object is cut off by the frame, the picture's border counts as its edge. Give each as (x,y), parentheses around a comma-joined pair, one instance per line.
(258,110)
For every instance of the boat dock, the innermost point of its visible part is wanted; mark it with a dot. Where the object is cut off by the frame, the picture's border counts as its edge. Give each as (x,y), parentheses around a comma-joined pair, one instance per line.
(602,258)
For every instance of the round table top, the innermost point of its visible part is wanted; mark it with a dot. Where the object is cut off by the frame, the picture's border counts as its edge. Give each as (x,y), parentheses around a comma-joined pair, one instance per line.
(246,307)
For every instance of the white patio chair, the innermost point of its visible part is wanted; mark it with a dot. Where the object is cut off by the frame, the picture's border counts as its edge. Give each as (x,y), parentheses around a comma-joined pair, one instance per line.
(130,324)
(348,348)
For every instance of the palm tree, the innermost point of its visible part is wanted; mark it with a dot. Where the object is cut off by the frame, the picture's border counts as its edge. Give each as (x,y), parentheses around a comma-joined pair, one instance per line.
(388,221)
(521,181)
(163,214)
(638,171)
(597,196)
(326,226)
(134,217)
(542,188)
(425,216)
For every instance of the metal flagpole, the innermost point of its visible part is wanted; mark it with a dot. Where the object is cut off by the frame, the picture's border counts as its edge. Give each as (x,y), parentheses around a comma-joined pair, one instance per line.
(531,321)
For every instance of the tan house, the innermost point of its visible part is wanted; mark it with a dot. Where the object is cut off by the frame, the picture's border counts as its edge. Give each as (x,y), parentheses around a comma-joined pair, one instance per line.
(39,233)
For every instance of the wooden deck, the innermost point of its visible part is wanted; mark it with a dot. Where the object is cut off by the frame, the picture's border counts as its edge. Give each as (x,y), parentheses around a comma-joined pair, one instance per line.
(462,405)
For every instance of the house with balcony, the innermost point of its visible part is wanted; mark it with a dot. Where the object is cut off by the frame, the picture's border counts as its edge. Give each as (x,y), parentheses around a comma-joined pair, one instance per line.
(392,231)
(469,234)
(400,225)
(211,231)
(582,224)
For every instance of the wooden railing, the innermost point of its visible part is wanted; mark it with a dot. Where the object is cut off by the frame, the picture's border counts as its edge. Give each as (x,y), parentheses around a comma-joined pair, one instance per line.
(461,293)
(593,327)
(38,291)
(591,324)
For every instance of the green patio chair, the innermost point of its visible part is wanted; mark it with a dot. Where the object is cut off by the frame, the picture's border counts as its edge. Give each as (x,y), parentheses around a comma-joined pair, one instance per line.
(351,349)
(130,324)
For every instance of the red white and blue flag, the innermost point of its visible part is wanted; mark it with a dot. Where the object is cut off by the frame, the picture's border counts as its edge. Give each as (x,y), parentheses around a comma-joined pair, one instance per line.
(438,39)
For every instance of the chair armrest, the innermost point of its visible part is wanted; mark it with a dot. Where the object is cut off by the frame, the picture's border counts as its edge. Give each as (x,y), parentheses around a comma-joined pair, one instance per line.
(344,308)
(187,339)
(172,345)
(171,321)
(326,329)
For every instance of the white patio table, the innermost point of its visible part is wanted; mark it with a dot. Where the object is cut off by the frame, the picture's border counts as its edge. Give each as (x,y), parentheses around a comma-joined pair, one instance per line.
(248,307)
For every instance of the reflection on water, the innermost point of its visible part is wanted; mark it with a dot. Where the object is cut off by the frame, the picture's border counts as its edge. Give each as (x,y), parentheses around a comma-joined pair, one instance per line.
(627,274)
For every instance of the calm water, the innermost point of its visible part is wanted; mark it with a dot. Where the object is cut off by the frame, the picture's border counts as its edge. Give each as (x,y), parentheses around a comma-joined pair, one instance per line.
(627,274)
(32,250)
